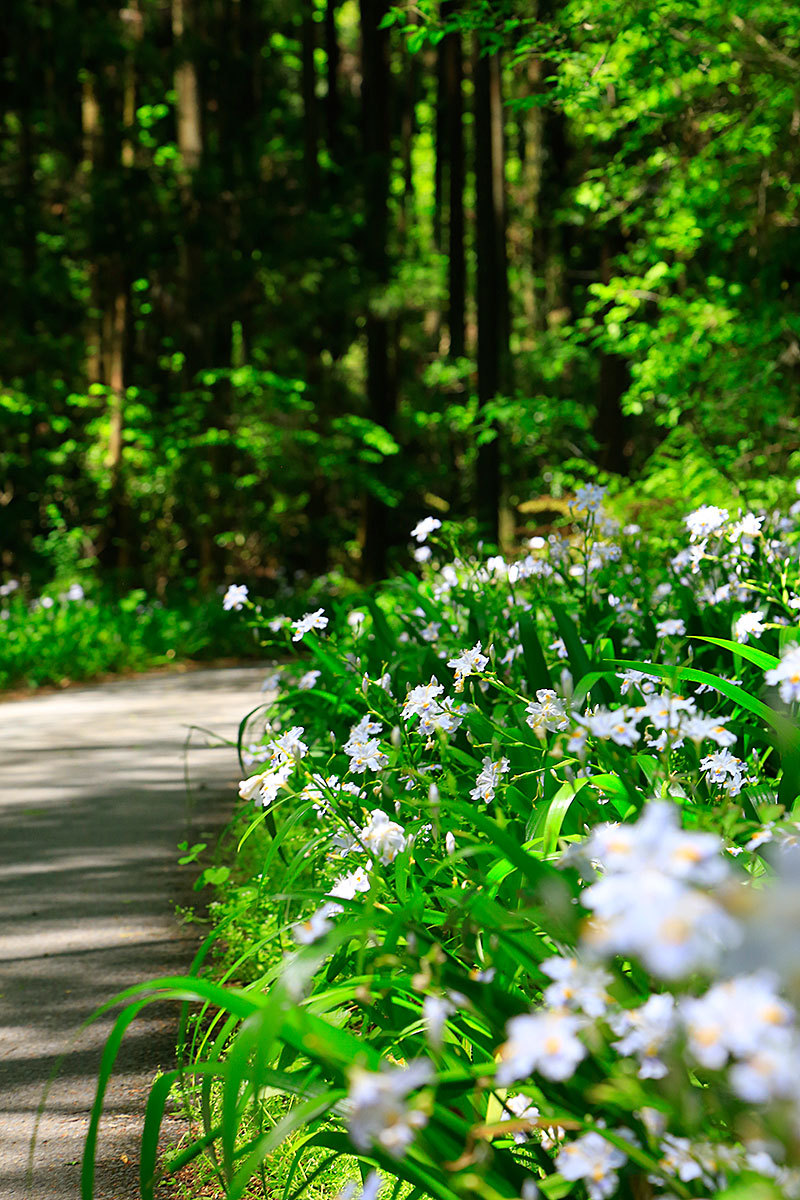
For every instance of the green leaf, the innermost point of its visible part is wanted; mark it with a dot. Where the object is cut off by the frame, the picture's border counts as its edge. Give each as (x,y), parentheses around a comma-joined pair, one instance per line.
(536,666)
(751,653)
(557,810)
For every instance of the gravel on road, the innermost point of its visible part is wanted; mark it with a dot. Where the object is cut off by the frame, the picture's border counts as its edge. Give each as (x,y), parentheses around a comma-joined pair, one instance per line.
(93,803)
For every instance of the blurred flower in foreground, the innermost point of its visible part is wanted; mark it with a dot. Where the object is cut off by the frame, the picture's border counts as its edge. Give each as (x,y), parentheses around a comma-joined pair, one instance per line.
(594,1160)
(379,1110)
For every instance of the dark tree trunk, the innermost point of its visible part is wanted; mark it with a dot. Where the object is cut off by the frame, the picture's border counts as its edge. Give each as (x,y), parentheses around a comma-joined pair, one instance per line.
(492,276)
(408,127)
(551,239)
(441,148)
(611,425)
(451,56)
(332,100)
(381,400)
(309,77)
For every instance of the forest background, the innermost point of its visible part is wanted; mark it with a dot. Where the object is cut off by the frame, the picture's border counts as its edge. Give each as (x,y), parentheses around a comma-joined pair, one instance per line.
(282,276)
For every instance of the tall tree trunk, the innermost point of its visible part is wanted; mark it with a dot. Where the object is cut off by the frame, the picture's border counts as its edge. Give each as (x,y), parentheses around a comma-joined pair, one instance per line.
(317,507)
(492,275)
(187,93)
(135,23)
(115,357)
(332,99)
(408,124)
(500,220)
(611,425)
(551,239)
(381,401)
(103,103)
(530,156)
(442,143)
(309,86)
(451,54)
(90,129)
(28,199)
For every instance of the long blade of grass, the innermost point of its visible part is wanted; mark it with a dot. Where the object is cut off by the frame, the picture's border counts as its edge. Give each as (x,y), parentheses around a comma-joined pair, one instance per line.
(752,654)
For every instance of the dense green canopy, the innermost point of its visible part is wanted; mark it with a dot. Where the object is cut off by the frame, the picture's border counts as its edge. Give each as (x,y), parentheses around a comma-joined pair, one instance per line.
(279,277)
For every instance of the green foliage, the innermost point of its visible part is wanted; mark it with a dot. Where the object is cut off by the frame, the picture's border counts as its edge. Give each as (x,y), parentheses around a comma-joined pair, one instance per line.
(59,639)
(651,196)
(421,862)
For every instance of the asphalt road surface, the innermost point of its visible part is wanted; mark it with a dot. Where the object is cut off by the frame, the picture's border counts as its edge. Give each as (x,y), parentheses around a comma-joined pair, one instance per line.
(93,802)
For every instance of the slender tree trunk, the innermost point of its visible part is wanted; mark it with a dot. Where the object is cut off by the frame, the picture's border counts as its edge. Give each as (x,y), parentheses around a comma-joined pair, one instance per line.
(530,149)
(189,134)
(500,221)
(187,93)
(103,103)
(451,54)
(135,23)
(28,198)
(309,84)
(551,240)
(332,99)
(492,279)
(116,372)
(381,400)
(611,425)
(90,129)
(408,123)
(442,142)
(317,507)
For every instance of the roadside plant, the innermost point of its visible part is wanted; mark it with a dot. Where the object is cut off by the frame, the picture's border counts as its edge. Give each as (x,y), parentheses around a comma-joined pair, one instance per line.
(530,843)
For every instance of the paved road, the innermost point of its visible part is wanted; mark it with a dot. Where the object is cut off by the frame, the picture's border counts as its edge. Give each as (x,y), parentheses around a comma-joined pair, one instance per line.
(92,805)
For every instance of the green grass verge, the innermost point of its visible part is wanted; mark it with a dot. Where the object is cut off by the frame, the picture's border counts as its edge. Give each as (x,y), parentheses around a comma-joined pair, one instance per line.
(84,639)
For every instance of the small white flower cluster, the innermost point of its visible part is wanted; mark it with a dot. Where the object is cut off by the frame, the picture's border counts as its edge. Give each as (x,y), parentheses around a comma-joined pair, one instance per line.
(644,1031)
(489,779)
(588,499)
(384,837)
(648,903)
(424,528)
(744,1019)
(284,752)
(705,520)
(725,770)
(749,625)
(321,787)
(520,1108)
(576,985)
(363,747)
(235,597)
(631,678)
(348,887)
(434,715)
(379,1111)
(593,1159)
(669,719)
(671,627)
(311,620)
(468,662)
(786,676)
(546,714)
(546,1041)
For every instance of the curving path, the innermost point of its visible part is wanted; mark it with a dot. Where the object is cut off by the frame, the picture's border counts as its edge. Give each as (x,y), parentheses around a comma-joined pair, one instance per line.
(93,803)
